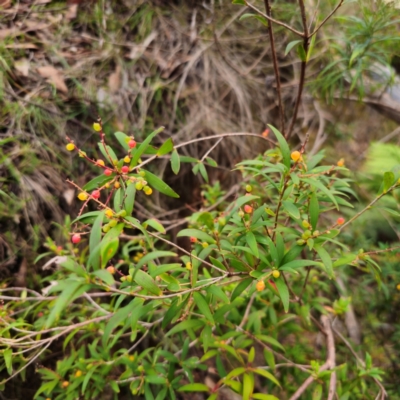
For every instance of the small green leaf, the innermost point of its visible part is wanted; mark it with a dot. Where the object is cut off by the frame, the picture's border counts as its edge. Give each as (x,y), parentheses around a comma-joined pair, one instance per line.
(122,140)
(105,276)
(388,180)
(291,45)
(292,210)
(314,210)
(204,237)
(7,354)
(146,281)
(240,2)
(194,387)
(175,162)
(248,386)
(240,288)
(97,182)
(109,247)
(166,148)
(283,293)
(154,224)
(142,148)
(95,238)
(160,185)
(301,53)
(263,20)
(107,153)
(326,260)
(298,264)
(185,325)
(262,396)
(129,201)
(252,243)
(267,375)
(203,306)
(283,146)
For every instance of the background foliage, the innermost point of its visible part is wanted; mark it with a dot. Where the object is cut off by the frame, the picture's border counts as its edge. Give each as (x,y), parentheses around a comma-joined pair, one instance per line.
(201,70)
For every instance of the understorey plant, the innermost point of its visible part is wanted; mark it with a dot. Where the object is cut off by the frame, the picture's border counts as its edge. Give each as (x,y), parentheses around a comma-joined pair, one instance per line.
(133,313)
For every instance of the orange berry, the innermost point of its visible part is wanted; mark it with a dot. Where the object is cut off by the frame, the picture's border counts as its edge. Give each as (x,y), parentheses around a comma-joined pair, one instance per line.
(65,384)
(111,269)
(260,286)
(193,239)
(340,221)
(248,209)
(78,373)
(295,156)
(340,163)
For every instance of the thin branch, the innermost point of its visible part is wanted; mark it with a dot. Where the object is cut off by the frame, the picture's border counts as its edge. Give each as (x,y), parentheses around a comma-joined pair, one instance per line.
(329,364)
(275,21)
(326,19)
(276,68)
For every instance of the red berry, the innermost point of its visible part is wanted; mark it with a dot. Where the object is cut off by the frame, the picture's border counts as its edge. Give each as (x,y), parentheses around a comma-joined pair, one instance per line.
(193,239)
(96,194)
(107,172)
(132,144)
(340,221)
(76,238)
(125,169)
(248,209)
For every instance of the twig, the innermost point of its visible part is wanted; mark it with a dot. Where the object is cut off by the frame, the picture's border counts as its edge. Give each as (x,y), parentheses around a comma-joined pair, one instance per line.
(276,69)
(329,364)
(275,21)
(326,19)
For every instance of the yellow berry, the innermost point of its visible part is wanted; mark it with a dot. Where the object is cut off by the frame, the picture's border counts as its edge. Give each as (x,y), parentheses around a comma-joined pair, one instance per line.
(70,147)
(117,185)
(127,159)
(139,186)
(276,274)
(205,245)
(82,196)
(136,259)
(131,358)
(100,162)
(97,127)
(148,190)
(260,286)
(82,154)
(398,286)
(109,213)
(296,155)
(340,163)
(188,265)
(78,373)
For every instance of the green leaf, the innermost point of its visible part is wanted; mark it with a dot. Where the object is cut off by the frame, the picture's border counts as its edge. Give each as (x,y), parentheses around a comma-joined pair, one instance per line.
(166,148)
(314,210)
(142,148)
(72,290)
(109,247)
(388,180)
(107,154)
(292,44)
(252,243)
(194,387)
(204,237)
(95,238)
(160,185)
(218,292)
(203,306)
(322,188)
(241,2)
(154,224)
(203,171)
(105,276)
(240,288)
(7,354)
(283,146)
(262,396)
(326,260)
(129,201)
(292,210)
(185,325)
(301,53)
(175,162)
(248,386)
(283,293)
(97,182)
(146,281)
(123,140)
(263,20)
(267,375)
(154,255)
(298,264)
